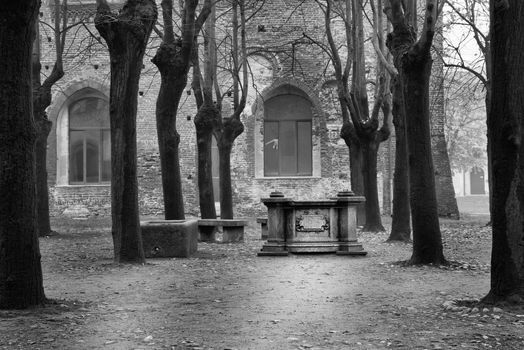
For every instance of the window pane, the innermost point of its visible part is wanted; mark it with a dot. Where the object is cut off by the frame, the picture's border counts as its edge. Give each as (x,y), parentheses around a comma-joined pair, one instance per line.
(91,112)
(304,148)
(106,155)
(92,156)
(76,156)
(271,146)
(288,148)
(287,107)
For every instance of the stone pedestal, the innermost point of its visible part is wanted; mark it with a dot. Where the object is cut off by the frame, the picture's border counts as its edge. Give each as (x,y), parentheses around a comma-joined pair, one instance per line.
(318,226)
(169,238)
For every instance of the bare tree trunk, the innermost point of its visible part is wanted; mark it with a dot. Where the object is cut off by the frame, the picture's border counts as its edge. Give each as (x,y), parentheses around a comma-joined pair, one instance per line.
(400,225)
(357,178)
(126,34)
(21,284)
(172,59)
(427,241)
(205,121)
(226,192)
(373,219)
(41,100)
(505,132)
(232,128)
(413,61)
(43,126)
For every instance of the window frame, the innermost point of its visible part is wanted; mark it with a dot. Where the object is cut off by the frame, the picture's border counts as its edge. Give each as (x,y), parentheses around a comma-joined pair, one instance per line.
(280,172)
(84,155)
(294,120)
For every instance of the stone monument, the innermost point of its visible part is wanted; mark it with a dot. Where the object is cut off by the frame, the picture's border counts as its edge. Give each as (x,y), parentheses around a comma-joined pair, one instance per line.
(312,226)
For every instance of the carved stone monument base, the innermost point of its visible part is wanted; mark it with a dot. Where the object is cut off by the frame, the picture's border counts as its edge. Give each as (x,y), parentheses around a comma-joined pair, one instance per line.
(320,226)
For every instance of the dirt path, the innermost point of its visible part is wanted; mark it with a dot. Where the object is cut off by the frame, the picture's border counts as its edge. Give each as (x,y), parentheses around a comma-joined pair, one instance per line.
(228,298)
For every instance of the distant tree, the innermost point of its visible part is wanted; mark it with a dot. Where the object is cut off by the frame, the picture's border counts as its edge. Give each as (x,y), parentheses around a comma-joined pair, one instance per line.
(126,35)
(42,100)
(505,134)
(413,60)
(470,17)
(465,122)
(21,283)
(173,59)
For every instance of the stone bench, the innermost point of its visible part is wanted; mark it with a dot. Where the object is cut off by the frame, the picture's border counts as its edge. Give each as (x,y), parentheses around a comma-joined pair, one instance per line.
(233,229)
(169,238)
(263,227)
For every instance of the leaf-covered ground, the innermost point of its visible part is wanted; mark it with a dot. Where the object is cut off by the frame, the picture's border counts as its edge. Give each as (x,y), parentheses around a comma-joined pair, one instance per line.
(226,297)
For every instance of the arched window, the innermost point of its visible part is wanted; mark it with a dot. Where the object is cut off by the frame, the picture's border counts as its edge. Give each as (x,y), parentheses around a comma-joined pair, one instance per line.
(287,136)
(89,141)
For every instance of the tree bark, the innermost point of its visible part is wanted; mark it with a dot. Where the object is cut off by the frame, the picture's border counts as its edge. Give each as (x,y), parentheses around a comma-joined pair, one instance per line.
(21,284)
(505,125)
(232,128)
(205,121)
(126,35)
(373,219)
(413,61)
(400,225)
(43,127)
(173,59)
(357,178)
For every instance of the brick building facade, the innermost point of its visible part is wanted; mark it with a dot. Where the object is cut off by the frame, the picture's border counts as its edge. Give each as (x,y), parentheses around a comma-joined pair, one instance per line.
(286,72)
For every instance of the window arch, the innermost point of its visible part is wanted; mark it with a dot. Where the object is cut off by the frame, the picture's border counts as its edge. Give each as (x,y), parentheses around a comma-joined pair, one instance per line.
(89,141)
(83,146)
(286,112)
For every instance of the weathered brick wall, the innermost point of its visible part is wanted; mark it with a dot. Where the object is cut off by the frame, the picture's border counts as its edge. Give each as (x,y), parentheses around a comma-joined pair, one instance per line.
(275,34)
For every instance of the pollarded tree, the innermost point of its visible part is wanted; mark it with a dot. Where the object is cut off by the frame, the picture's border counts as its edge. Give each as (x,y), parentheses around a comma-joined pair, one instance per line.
(505,134)
(360,123)
(225,129)
(413,60)
(173,59)
(230,127)
(21,283)
(207,115)
(126,35)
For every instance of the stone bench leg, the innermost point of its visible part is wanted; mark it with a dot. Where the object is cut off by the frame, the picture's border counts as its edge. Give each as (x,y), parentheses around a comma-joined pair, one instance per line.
(233,234)
(207,233)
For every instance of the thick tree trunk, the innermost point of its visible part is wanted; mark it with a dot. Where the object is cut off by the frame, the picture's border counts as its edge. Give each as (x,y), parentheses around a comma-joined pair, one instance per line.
(505,133)
(126,35)
(21,282)
(357,179)
(400,225)
(427,240)
(226,192)
(413,61)
(205,122)
(373,219)
(173,72)
(43,127)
